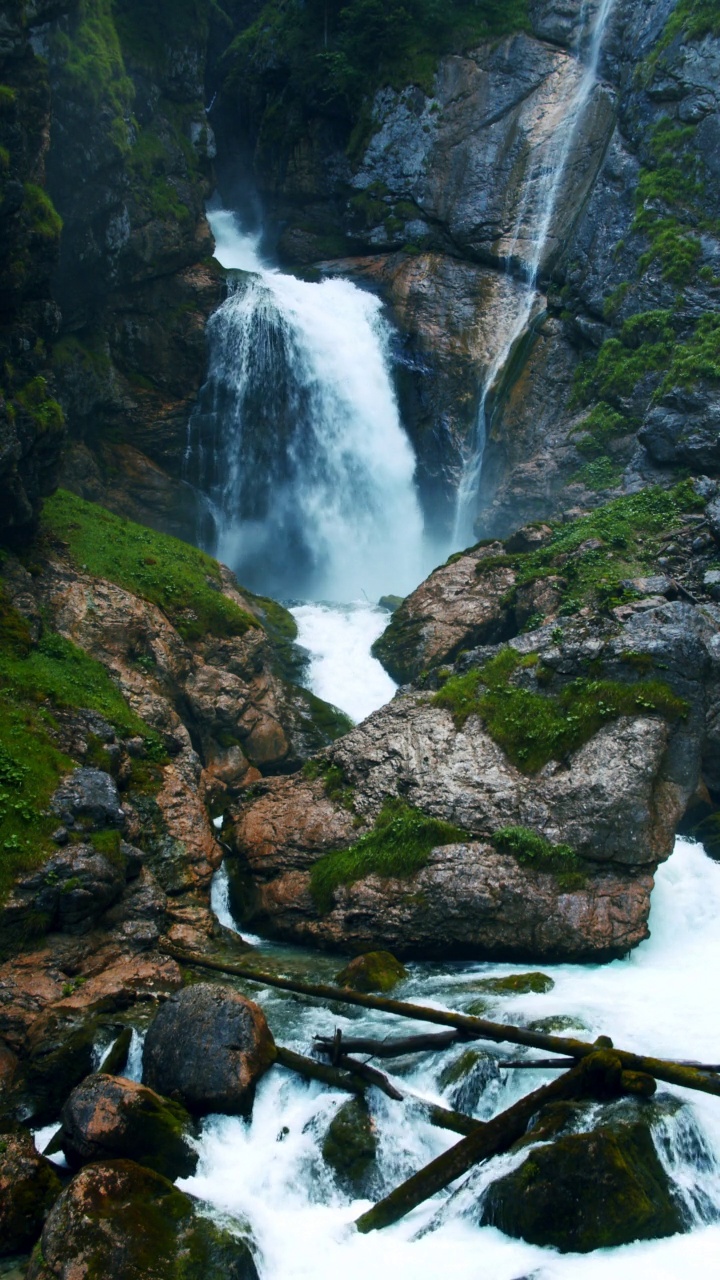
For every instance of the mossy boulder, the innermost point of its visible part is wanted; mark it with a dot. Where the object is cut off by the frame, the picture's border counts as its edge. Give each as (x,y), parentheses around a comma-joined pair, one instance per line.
(516,984)
(208,1046)
(587,1191)
(108,1118)
(29,1186)
(60,1055)
(350,1146)
(375,971)
(130,1223)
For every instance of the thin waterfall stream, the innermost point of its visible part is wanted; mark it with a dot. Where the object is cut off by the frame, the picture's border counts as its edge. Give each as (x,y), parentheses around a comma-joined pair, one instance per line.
(526,251)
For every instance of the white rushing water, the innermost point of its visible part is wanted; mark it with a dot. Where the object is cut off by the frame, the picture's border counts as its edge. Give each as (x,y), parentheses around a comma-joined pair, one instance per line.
(542,186)
(297,441)
(342,669)
(663,999)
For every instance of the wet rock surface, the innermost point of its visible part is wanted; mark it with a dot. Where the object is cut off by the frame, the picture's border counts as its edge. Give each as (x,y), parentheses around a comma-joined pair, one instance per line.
(119,1219)
(208,1047)
(107,1118)
(350,1147)
(29,1186)
(587,1191)
(376,971)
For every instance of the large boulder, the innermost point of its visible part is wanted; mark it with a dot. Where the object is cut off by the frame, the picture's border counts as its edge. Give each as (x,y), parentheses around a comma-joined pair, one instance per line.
(70,893)
(29,1186)
(208,1046)
(121,1220)
(88,798)
(375,971)
(108,1118)
(587,1191)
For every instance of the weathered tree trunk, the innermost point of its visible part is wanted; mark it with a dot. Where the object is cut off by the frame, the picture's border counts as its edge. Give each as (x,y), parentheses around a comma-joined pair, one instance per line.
(688,1077)
(391,1048)
(496,1136)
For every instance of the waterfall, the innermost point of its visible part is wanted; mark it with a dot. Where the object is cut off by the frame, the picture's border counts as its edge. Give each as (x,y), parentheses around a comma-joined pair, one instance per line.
(296,440)
(528,249)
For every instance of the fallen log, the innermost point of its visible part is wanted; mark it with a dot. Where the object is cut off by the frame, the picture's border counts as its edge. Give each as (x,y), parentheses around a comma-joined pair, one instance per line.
(372,1075)
(471,1028)
(493,1139)
(390,1048)
(337,1078)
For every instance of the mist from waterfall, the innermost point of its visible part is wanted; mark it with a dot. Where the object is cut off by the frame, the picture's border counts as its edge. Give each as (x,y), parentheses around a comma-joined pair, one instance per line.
(526,252)
(296,440)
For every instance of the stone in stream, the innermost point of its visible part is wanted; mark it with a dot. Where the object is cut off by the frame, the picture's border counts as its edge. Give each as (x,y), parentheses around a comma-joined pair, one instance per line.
(515,984)
(587,1191)
(208,1046)
(29,1186)
(374,971)
(468,1077)
(108,1118)
(123,1221)
(350,1147)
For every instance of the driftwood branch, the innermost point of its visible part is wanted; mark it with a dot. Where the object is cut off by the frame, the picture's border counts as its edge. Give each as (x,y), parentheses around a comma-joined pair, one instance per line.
(349,1082)
(688,1077)
(390,1048)
(494,1138)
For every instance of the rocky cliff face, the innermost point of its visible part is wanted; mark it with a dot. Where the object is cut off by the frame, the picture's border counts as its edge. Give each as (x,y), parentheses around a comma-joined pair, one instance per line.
(613,379)
(557,766)
(31,421)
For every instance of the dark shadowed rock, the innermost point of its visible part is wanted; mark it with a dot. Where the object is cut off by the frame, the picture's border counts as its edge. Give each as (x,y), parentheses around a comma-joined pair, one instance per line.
(70,893)
(29,1187)
(123,1221)
(587,1191)
(108,1118)
(350,1146)
(208,1046)
(375,971)
(59,1054)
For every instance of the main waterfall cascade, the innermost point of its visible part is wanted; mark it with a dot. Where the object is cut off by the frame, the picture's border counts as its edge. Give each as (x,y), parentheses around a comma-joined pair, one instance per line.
(296,440)
(529,245)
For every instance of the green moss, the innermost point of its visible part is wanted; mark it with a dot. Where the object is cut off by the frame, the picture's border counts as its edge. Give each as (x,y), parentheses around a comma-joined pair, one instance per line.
(91,67)
(599,475)
(8,98)
(516,984)
(533,850)
(337,786)
(374,971)
(350,1146)
(183,581)
(45,221)
(602,426)
(534,728)
(40,407)
(398,846)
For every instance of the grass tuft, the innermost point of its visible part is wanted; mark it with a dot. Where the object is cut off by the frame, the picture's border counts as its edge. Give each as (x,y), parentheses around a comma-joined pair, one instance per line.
(398,846)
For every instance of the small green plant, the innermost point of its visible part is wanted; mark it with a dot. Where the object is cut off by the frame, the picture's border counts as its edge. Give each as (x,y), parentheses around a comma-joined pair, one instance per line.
(398,846)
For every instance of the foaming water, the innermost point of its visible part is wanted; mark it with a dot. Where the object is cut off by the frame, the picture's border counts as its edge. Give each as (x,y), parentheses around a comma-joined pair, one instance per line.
(663,999)
(296,440)
(342,669)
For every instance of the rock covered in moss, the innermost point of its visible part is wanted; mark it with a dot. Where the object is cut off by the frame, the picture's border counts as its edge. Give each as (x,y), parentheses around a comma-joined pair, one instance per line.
(374,971)
(350,1146)
(119,1219)
(516,984)
(29,1186)
(208,1046)
(107,1117)
(587,1191)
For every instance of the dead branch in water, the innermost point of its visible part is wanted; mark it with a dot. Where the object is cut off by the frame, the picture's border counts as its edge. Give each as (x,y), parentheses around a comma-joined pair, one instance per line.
(471,1028)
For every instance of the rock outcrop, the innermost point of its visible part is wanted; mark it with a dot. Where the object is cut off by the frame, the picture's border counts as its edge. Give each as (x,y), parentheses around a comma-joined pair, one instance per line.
(208,1046)
(126,1221)
(561,762)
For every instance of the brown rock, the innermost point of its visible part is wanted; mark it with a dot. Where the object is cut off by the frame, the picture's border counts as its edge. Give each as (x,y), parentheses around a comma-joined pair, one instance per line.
(29,1186)
(107,1118)
(208,1046)
(119,1219)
